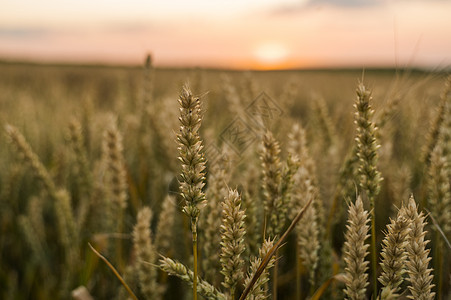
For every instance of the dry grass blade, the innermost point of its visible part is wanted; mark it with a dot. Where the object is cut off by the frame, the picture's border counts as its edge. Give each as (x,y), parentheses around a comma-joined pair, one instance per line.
(273,250)
(130,292)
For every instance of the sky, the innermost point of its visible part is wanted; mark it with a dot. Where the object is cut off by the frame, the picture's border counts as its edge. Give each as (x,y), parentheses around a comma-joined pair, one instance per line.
(253,34)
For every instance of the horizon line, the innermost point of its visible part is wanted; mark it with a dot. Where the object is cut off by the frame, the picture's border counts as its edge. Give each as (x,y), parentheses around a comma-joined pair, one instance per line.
(93,64)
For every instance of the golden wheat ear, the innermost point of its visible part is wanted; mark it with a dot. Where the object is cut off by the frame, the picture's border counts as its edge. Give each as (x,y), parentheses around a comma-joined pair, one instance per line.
(355,250)
(175,268)
(232,241)
(164,233)
(272,177)
(259,289)
(369,176)
(394,256)
(83,174)
(116,186)
(218,177)
(420,275)
(67,229)
(434,129)
(268,258)
(30,158)
(146,255)
(191,155)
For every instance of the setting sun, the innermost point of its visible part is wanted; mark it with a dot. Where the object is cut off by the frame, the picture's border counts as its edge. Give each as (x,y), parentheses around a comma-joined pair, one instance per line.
(270,55)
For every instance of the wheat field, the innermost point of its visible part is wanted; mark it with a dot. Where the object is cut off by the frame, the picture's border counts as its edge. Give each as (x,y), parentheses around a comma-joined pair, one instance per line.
(148,183)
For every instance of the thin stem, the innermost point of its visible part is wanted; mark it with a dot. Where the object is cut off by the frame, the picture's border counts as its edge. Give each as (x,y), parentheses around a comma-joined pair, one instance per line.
(274,278)
(298,273)
(232,293)
(439,262)
(312,288)
(373,248)
(119,241)
(194,230)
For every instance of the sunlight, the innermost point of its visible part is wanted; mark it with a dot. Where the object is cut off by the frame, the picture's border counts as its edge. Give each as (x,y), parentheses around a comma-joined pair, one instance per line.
(271,54)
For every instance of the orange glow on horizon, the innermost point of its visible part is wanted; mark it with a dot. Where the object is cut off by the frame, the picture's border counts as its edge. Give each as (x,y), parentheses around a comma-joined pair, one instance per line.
(289,63)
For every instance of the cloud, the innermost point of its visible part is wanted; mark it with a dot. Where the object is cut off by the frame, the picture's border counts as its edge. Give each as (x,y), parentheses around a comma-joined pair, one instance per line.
(129,27)
(307,5)
(295,8)
(344,3)
(23,33)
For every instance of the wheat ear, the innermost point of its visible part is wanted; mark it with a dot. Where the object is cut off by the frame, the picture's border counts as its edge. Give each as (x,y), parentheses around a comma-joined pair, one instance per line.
(193,165)
(62,203)
(370,177)
(394,255)
(146,255)
(438,184)
(304,189)
(216,192)
(259,290)
(434,131)
(272,181)
(271,167)
(232,241)
(176,268)
(165,227)
(420,275)
(355,250)
(82,169)
(31,159)
(115,182)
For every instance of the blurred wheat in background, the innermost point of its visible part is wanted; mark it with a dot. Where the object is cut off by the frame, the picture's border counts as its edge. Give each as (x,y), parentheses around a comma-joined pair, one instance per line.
(119,158)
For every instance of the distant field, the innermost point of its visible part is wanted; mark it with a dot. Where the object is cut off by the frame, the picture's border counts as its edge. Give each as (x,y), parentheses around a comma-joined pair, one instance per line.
(85,148)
